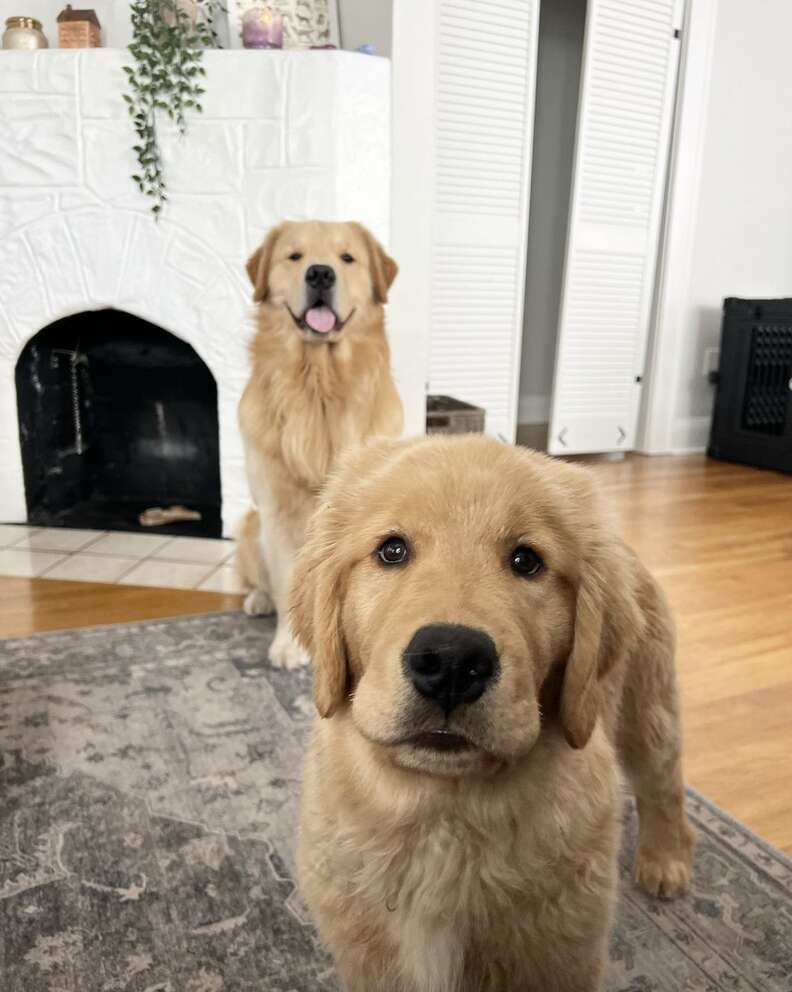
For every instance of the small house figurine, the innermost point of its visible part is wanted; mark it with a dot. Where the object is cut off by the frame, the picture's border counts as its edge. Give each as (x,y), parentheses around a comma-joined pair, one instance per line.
(78,28)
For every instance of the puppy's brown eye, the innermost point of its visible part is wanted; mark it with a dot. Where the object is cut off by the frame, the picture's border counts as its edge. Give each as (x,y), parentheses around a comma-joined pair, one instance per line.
(346,257)
(525,561)
(295,256)
(393,551)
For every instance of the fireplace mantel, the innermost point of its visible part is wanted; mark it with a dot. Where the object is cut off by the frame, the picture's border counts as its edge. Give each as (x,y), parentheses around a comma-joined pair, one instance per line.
(283,134)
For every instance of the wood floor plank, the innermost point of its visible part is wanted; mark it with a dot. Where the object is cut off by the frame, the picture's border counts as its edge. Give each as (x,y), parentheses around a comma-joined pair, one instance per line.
(30,606)
(719,539)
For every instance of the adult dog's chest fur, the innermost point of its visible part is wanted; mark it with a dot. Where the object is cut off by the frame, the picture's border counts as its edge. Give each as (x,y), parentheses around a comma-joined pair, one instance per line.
(303,407)
(327,415)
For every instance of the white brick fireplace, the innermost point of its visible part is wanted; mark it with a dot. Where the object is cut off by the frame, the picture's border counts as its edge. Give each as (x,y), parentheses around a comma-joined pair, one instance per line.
(283,134)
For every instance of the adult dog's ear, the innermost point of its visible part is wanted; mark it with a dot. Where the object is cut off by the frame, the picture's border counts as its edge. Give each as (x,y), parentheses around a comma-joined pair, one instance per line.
(258,265)
(315,610)
(383,268)
(608,624)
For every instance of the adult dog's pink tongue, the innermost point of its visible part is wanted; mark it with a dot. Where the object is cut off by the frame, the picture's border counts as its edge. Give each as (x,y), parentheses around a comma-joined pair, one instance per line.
(320,319)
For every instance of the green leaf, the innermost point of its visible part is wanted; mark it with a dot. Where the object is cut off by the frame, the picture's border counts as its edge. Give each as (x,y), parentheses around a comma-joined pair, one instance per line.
(166,51)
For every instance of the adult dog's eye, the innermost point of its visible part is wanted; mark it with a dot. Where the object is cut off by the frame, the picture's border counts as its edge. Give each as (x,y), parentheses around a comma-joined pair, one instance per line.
(393,551)
(346,257)
(295,256)
(525,561)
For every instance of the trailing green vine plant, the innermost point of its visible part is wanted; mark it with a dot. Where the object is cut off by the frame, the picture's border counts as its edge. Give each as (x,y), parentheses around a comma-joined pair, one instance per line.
(166,78)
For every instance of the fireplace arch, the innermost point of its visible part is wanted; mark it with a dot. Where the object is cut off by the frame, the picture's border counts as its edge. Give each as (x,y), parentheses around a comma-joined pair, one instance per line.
(116,416)
(94,258)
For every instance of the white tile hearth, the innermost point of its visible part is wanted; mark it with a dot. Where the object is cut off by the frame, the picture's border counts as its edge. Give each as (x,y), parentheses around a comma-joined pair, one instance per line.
(198,549)
(14,533)
(223,579)
(160,560)
(173,574)
(22,563)
(91,568)
(59,539)
(129,545)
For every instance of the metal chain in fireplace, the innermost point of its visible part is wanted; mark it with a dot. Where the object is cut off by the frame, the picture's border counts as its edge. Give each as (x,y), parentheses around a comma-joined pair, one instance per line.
(75,393)
(75,359)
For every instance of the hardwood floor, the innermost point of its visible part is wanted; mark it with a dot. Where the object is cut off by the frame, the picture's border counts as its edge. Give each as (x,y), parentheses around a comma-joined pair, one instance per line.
(30,606)
(718,537)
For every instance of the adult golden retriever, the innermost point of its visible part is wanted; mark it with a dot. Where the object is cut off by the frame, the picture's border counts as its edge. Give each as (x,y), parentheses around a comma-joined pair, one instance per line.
(320,382)
(483,645)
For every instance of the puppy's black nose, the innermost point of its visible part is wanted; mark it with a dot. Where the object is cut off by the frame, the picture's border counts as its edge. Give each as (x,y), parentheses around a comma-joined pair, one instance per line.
(320,276)
(450,664)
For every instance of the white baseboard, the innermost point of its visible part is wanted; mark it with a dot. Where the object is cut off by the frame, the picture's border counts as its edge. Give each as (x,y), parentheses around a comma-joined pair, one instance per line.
(533,409)
(691,435)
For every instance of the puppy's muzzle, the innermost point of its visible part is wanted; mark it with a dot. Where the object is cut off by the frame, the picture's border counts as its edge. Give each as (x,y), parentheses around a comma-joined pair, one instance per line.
(450,664)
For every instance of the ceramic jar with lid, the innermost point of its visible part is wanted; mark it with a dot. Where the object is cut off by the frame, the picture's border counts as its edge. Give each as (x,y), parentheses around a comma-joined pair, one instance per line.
(24,33)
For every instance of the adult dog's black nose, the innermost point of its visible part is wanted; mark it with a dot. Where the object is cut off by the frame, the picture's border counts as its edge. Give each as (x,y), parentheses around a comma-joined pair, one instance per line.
(320,276)
(450,664)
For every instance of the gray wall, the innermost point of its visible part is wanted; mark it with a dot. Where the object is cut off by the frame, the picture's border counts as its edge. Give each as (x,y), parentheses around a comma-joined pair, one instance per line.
(742,244)
(561,29)
(365,21)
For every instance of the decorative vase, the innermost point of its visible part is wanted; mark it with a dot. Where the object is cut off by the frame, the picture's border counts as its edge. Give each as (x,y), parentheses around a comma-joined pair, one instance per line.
(24,33)
(262,27)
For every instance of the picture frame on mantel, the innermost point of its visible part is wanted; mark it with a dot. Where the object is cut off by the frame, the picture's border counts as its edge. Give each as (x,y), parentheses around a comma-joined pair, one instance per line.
(306,23)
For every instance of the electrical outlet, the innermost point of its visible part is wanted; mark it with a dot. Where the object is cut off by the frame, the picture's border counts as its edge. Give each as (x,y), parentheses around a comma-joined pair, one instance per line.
(711,362)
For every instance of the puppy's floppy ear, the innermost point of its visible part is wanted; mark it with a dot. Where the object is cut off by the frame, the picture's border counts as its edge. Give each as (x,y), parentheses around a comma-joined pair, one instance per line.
(608,624)
(258,265)
(383,268)
(315,609)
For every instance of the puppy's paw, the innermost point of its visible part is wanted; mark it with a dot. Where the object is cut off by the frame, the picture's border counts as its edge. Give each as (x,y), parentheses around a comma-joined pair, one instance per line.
(258,603)
(285,652)
(663,873)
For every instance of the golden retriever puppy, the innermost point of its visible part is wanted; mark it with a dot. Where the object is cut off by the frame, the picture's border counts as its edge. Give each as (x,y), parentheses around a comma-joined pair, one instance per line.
(484,645)
(320,382)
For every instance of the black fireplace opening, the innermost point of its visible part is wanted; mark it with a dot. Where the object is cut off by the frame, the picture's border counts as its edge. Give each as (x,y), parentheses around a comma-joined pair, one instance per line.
(117,416)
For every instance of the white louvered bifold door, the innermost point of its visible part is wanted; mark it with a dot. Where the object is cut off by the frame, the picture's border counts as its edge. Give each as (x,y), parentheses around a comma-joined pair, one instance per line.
(483,116)
(628,86)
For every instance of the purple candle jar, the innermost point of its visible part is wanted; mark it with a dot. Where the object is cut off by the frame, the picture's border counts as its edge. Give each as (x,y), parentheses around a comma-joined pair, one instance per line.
(262,27)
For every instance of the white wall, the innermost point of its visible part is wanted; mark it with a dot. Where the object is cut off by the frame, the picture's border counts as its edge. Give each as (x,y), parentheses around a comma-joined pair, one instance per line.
(412,148)
(742,244)
(561,28)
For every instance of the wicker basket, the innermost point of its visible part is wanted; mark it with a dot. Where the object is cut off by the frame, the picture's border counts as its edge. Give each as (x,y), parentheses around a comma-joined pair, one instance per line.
(445,415)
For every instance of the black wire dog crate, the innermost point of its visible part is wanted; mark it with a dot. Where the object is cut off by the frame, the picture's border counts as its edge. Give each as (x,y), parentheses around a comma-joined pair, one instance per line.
(752,422)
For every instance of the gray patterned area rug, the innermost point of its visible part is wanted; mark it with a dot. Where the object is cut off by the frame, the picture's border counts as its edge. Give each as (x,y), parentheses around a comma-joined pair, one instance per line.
(148,788)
